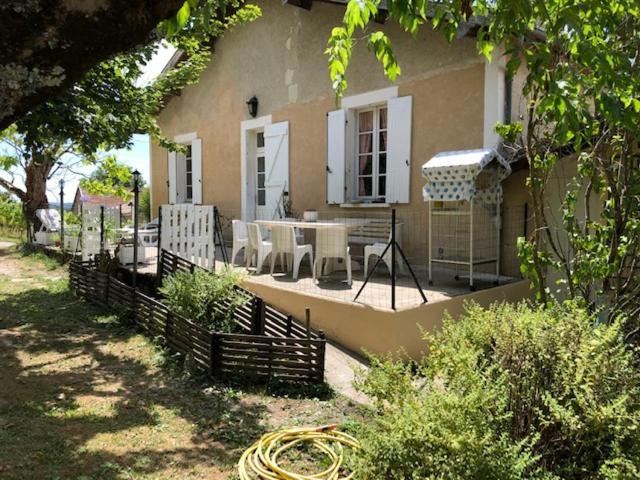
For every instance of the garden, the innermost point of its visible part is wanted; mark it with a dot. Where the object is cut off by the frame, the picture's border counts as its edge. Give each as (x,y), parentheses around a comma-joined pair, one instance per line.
(102,381)
(509,392)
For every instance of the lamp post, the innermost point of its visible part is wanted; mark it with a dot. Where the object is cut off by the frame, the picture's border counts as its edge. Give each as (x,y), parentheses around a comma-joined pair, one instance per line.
(61,182)
(136,191)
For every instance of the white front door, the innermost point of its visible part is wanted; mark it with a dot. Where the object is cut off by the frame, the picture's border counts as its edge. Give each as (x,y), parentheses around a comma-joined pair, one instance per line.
(276,157)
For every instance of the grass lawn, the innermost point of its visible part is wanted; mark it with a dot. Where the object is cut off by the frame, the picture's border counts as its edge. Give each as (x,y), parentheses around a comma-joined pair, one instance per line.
(85,397)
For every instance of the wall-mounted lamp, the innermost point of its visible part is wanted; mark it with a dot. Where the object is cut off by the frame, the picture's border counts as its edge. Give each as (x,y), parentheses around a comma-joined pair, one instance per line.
(252,105)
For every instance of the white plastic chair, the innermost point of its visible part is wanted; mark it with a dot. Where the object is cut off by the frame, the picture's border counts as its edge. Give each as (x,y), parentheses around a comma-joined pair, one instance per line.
(240,239)
(49,223)
(49,219)
(377,249)
(299,232)
(257,247)
(284,243)
(332,243)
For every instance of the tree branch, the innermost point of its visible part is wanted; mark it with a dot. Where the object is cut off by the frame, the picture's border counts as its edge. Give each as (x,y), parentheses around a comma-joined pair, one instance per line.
(46,50)
(11,188)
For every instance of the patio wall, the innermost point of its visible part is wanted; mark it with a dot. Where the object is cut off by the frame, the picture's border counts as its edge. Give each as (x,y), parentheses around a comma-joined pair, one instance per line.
(380,331)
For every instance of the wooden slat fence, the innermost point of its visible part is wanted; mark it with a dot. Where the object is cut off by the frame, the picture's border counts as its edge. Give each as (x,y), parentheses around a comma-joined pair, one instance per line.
(273,323)
(272,345)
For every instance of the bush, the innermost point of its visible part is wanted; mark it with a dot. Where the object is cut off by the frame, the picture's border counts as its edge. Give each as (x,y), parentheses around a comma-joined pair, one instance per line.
(195,295)
(508,392)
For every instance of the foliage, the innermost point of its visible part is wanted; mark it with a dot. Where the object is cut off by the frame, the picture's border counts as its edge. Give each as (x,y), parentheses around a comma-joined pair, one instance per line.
(11,218)
(109,104)
(71,218)
(582,79)
(144,205)
(508,392)
(196,296)
(110,178)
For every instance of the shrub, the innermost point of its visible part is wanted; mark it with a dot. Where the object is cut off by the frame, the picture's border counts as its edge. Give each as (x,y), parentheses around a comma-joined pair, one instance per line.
(508,392)
(196,295)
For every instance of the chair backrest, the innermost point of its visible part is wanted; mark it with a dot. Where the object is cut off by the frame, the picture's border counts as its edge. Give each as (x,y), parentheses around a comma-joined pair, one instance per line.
(50,218)
(254,235)
(283,238)
(239,230)
(332,242)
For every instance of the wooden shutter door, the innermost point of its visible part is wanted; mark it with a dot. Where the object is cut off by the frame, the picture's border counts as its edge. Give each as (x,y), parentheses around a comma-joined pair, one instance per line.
(173,177)
(336,156)
(399,150)
(276,157)
(196,171)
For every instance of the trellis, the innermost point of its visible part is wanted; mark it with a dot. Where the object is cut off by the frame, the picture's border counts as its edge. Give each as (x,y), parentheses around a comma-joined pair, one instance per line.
(94,219)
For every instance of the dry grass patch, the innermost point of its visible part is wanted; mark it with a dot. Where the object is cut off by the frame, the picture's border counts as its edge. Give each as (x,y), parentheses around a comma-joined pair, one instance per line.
(86,397)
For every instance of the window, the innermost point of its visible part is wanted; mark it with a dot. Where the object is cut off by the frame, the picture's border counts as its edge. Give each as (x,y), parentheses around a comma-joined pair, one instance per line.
(261,199)
(371,154)
(189,175)
(369,149)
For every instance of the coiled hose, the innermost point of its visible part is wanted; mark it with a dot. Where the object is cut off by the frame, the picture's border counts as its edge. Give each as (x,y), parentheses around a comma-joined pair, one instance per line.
(261,459)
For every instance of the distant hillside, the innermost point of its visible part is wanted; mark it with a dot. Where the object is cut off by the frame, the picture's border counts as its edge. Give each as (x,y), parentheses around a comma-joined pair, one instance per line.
(67,205)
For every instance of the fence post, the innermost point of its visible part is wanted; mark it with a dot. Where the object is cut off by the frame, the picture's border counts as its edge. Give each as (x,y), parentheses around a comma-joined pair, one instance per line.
(107,288)
(321,353)
(393,259)
(167,327)
(289,325)
(134,307)
(101,230)
(258,316)
(213,354)
(136,195)
(159,254)
(307,314)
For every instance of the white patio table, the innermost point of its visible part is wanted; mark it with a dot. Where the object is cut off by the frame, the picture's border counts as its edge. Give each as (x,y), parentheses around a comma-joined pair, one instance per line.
(349,225)
(356,224)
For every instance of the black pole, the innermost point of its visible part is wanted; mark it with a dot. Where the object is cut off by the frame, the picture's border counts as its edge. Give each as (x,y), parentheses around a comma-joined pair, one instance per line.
(158,254)
(101,230)
(393,259)
(62,216)
(136,191)
(370,273)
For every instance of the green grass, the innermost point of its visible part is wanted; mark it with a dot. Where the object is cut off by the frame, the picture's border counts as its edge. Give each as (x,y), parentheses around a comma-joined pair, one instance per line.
(86,397)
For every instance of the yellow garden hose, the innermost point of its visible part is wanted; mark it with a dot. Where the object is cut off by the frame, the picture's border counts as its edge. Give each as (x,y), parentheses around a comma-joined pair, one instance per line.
(260,461)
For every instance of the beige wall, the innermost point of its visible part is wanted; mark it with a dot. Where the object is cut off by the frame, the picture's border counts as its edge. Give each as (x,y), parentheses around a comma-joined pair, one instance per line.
(361,328)
(279,58)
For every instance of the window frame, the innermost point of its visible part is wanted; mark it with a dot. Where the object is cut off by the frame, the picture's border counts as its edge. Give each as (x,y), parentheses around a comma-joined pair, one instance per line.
(188,173)
(375,175)
(260,153)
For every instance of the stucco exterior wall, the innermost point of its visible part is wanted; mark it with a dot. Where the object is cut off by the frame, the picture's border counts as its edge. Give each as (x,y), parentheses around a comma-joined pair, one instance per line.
(280,59)
(361,328)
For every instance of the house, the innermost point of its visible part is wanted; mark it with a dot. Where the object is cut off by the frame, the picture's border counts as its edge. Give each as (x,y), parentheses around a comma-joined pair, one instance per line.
(81,197)
(362,156)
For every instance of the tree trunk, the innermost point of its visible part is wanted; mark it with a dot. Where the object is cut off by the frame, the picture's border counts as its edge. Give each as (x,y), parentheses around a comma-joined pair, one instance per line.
(36,192)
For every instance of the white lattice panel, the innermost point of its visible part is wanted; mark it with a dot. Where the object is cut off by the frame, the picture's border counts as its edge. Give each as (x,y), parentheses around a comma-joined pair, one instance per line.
(188,230)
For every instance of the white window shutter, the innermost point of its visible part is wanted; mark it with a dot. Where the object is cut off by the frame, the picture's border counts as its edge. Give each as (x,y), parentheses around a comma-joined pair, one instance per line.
(399,150)
(196,171)
(276,156)
(173,177)
(336,156)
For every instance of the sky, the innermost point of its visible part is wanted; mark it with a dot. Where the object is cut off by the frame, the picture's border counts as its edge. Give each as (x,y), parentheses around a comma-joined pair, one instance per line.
(137,157)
